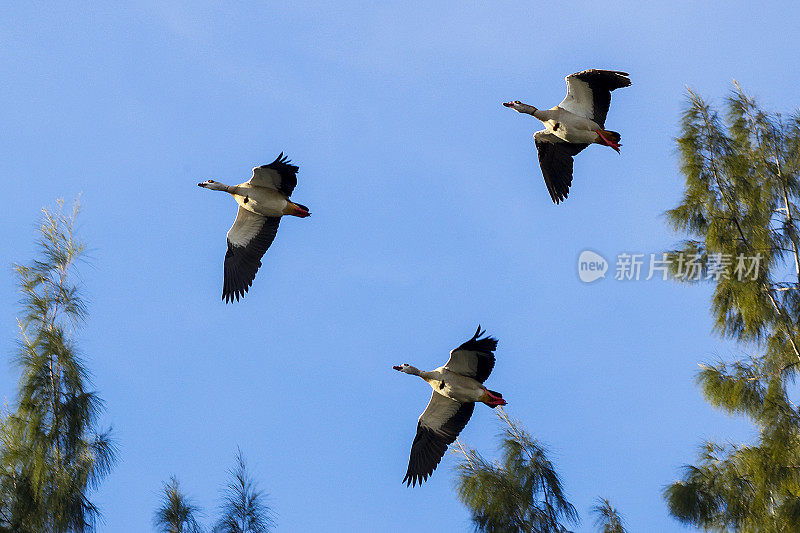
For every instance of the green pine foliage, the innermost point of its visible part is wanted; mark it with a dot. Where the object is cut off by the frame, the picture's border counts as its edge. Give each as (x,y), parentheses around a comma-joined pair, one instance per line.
(607,518)
(177,513)
(52,454)
(520,493)
(741,200)
(244,508)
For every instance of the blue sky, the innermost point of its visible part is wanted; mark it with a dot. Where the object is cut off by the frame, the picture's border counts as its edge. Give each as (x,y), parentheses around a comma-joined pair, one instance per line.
(429,216)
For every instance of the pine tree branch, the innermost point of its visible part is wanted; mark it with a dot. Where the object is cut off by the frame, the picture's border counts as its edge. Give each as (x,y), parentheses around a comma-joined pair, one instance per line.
(52,454)
(784,190)
(731,207)
(463,452)
(789,218)
(740,172)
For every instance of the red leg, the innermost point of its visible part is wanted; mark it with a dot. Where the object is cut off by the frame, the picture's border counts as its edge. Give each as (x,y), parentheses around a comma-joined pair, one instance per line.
(494,400)
(608,142)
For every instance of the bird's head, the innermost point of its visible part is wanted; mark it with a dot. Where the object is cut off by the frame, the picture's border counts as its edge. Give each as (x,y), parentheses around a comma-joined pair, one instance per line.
(213,185)
(519,107)
(407,369)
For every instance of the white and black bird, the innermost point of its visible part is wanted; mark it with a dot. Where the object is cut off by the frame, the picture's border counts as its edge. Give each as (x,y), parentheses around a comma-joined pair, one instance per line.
(575,123)
(263,200)
(456,387)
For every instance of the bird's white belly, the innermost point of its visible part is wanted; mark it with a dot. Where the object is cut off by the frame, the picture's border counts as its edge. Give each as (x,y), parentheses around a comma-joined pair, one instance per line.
(580,136)
(459,395)
(571,127)
(459,388)
(571,134)
(261,200)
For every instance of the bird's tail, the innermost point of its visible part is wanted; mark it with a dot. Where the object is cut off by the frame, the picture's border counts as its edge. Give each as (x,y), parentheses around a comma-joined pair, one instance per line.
(608,138)
(495,399)
(612,136)
(298,210)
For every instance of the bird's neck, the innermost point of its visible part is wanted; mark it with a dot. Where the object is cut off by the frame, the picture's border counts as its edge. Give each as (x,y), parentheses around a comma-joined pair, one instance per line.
(221,187)
(543,114)
(414,371)
(428,376)
(528,109)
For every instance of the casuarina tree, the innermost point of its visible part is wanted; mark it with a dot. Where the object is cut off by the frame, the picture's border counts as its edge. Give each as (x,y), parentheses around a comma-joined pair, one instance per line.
(607,518)
(739,211)
(244,508)
(52,453)
(520,493)
(177,513)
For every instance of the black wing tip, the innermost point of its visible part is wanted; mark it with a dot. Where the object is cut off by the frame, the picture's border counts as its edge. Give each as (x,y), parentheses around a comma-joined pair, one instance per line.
(234,295)
(282,163)
(243,262)
(228,294)
(413,479)
(559,196)
(614,79)
(556,162)
(427,451)
(559,190)
(234,288)
(602,71)
(482,342)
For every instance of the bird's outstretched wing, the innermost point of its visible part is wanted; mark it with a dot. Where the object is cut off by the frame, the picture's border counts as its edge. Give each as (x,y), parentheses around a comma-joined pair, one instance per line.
(280,175)
(474,358)
(555,159)
(437,428)
(248,240)
(589,92)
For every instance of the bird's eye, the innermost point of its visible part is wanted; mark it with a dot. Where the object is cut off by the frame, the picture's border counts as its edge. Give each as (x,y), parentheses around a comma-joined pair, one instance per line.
(517,102)
(211,181)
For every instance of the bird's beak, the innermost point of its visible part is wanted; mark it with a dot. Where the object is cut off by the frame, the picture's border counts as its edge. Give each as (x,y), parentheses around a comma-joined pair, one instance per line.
(508,104)
(398,367)
(201,185)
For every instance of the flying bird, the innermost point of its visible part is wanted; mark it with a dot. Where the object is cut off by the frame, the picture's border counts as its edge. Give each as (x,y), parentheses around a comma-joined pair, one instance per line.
(575,123)
(263,200)
(456,387)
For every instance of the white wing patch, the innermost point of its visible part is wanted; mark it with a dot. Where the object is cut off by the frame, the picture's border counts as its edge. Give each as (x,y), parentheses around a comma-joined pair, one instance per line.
(440,409)
(547,136)
(265,177)
(463,362)
(579,99)
(245,227)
